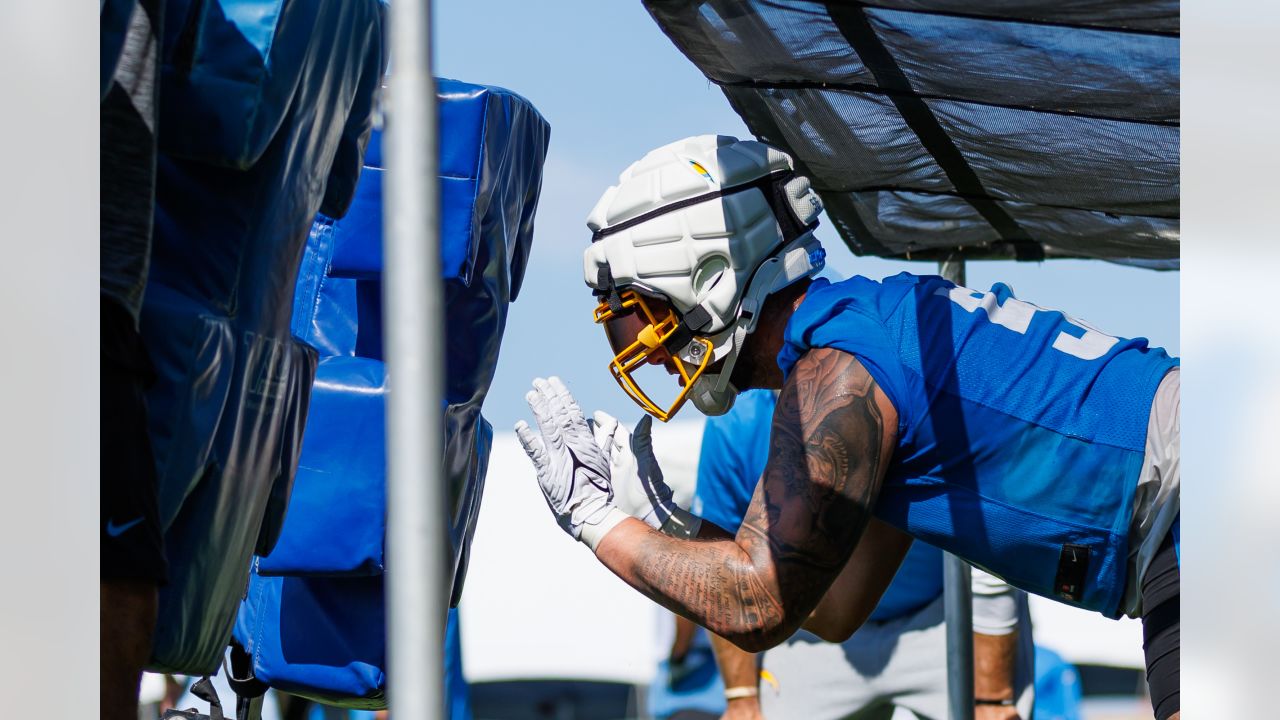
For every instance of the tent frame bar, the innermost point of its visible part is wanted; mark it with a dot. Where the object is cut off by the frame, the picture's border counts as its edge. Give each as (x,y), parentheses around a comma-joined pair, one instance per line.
(957,587)
(417,533)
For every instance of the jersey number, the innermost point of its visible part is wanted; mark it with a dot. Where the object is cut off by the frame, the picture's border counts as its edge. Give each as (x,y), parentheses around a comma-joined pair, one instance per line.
(1016,316)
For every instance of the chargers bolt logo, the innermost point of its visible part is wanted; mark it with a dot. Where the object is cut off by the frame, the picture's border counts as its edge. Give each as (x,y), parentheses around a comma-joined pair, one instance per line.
(702,171)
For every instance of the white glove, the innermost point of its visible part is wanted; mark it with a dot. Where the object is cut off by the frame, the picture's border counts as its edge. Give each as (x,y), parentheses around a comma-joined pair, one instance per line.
(572,470)
(638,487)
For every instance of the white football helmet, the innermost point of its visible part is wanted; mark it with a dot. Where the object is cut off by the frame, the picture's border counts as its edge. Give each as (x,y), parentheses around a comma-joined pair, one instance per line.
(685,248)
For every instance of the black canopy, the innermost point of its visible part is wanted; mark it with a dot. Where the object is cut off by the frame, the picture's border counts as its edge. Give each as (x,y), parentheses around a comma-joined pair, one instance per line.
(1023,128)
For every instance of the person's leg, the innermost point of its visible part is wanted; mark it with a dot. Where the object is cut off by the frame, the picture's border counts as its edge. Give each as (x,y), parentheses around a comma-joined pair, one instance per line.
(132,562)
(1161,624)
(131,554)
(818,680)
(878,710)
(127,616)
(915,675)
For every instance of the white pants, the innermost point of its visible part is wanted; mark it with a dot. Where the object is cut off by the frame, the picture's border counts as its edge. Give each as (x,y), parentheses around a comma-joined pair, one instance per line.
(901,663)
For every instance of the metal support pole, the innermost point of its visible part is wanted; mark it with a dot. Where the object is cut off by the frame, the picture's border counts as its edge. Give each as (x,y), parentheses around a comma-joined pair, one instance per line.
(414,327)
(959,613)
(952,268)
(958,593)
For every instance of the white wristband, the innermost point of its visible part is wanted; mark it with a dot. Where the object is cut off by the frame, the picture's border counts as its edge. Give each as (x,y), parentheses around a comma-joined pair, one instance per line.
(742,691)
(593,533)
(682,524)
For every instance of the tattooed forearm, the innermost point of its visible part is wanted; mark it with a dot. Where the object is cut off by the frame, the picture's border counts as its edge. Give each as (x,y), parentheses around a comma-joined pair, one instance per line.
(829,445)
(832,435)
(712,582)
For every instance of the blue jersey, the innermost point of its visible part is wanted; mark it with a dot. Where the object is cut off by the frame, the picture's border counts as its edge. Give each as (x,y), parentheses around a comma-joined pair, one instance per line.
(735,447)
(1021,431)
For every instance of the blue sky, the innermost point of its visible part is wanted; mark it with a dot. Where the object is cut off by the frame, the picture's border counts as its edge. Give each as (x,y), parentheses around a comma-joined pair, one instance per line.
(613,87)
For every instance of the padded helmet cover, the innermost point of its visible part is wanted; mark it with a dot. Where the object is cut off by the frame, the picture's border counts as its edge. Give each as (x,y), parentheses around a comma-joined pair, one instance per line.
(680,225)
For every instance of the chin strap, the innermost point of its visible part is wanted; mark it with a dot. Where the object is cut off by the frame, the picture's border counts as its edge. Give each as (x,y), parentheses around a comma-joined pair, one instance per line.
(723,378)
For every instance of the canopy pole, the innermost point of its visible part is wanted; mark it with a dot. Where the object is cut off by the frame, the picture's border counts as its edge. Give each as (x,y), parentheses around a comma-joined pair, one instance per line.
(958,592)
(414,331)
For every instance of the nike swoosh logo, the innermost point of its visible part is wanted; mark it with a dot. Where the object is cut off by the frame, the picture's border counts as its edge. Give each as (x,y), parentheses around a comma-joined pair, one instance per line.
(593,477)
(115,530)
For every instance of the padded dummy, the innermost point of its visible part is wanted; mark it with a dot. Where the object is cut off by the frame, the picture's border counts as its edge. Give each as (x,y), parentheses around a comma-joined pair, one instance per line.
(493,144)
(333,663)
(338,477)
(234,68)
(233,207)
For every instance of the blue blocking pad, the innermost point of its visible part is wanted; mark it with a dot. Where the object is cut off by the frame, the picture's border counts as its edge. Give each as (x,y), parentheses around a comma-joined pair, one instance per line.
(493,145)
(340,478)
(321,638)
(313,619)
(265,112)
(234,70)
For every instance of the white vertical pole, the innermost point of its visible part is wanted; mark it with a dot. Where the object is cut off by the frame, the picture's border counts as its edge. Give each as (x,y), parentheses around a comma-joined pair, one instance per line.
(958,593)
(414,331)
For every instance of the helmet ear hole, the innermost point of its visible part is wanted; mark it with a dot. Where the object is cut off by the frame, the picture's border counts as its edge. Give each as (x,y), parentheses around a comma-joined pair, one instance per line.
(708,273)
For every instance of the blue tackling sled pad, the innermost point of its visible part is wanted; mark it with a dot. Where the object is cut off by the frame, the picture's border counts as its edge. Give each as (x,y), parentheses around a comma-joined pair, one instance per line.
(312,623)
(266,108)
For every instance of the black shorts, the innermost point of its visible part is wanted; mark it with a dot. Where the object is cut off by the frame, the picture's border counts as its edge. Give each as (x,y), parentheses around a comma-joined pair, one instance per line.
(132,545)
(1161,629)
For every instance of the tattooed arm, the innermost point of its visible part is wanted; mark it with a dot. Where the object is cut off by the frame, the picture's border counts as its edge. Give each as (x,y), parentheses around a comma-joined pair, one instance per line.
(833,433)
(857,589)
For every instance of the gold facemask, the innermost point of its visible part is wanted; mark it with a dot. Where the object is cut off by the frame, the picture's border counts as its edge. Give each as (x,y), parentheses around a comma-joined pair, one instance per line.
(637,335)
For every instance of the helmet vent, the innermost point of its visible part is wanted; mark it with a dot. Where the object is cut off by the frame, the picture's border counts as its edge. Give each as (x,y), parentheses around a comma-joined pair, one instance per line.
(708,273)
